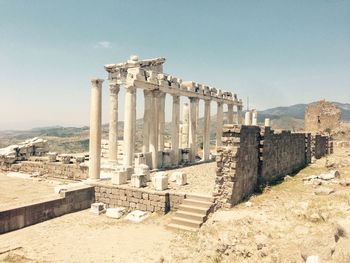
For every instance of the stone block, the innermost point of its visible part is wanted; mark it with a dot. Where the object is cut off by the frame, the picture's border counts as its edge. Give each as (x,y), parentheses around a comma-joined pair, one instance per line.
(119,177)
(138,180)
(143,169)
(117,212)
(97,208)
(181,178)
(137,216)
(160,181)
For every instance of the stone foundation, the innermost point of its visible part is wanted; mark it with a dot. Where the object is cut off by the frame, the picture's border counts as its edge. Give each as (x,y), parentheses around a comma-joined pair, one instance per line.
(137,198)
(56,169)
(70,201)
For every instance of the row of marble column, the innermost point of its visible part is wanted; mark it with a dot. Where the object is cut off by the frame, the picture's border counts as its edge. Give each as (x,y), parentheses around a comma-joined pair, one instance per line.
(154,125)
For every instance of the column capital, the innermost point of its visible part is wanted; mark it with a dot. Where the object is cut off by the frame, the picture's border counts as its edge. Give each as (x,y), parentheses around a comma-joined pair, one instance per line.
(114,87)
(130,88)
(207,102)
(176,98)
(147,93)
(193,99)
(97,82)
(158,94)
(220,103)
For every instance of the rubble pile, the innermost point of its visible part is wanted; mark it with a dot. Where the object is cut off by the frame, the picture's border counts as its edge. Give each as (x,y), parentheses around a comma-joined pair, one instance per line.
(22,151)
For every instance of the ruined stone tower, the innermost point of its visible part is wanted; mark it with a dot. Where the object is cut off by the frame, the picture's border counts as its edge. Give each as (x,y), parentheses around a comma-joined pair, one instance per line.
(321,115)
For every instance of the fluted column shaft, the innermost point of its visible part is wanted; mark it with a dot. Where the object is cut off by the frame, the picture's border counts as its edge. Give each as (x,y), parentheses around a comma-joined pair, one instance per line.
(193,128)
(219,123)
(206,132)
(154,126)
(230,113)
(147,120)
(161,115)
(185,125)
(113,121)
(175,129)
(95,129)
(129,113)
(239,115)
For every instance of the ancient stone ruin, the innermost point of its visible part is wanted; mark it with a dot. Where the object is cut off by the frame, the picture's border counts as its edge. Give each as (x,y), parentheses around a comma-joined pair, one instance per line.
(148,75)
(322,116)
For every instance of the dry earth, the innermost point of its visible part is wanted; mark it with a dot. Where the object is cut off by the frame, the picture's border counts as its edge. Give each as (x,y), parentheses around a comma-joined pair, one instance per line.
(283,224)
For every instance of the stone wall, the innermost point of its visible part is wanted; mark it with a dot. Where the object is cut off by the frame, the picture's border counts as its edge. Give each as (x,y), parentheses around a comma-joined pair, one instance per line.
(55,169)
(237,164)
(137,198)
(70,201)
(320,146)
(282,153)
(251,156)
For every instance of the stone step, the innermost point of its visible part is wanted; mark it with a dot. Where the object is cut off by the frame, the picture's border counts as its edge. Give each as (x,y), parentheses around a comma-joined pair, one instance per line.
(191,216)
(194,209)
(204,198)
(197,204)
(186,222)
(181,227)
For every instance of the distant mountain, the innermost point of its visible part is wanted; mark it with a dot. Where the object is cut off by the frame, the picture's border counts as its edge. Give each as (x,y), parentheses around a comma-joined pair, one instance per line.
(297,111)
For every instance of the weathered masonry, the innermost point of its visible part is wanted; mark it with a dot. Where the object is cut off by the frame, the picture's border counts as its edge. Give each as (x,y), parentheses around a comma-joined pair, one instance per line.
(148,75)
(252,155)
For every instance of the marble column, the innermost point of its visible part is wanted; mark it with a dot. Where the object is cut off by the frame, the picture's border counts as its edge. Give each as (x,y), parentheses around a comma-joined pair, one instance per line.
(147,119)
(95,129)
(129,115)
(113,121)
(133,125)
(206,132)
(193,128)
(161,115)
(185,125)
(267,122)
(239,114)
(254,117)
(153,134)
(230,113)
(219,123)
(175,122)
(247,118)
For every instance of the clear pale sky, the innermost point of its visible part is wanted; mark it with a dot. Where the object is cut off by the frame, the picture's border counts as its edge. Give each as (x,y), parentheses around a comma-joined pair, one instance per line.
(278,53)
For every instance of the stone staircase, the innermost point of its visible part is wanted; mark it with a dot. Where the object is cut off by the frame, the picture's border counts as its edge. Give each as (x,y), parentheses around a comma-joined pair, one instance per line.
(192,213)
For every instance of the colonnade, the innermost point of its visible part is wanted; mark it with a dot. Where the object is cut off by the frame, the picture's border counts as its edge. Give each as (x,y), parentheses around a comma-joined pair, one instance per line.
(148,75)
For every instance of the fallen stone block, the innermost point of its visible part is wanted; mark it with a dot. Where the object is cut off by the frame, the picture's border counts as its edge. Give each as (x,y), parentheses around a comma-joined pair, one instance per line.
(160,181)
(117,212)
(137,216)
(181,178)
(97,208)
(324,191)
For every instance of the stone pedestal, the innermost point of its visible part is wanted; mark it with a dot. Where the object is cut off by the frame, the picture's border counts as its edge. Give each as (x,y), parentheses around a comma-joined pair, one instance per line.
(129,125)
(181,178)
(160,181)
(95,129)
(119,177)
(138,180)
(143,169)
(219,123)
(206,132)
(113,122)
(267,122)
(175,122)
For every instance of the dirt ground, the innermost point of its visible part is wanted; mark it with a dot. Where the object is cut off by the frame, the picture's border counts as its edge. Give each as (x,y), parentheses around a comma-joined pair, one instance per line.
(286,223)
(15,191)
